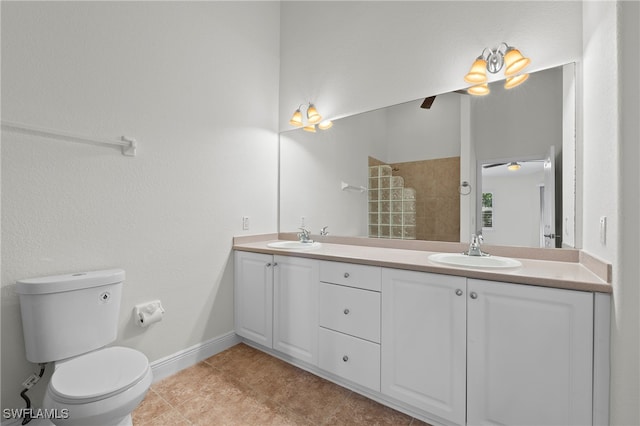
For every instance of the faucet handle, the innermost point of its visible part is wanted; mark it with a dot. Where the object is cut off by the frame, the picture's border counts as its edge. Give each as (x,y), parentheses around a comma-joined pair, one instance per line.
(324,231)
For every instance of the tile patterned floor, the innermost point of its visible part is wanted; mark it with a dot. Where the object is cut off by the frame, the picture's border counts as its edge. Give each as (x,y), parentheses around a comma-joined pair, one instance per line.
(243,386)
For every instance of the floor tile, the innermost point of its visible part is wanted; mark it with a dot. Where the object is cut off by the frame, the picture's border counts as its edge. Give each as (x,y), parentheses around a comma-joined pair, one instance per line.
(244,386)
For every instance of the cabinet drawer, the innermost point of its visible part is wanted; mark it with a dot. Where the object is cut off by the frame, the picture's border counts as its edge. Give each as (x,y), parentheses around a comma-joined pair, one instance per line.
(350,310)
(354,359)
(360,276)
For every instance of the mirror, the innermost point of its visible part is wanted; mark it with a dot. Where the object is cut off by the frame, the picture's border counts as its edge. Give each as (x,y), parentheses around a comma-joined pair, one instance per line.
(415,173)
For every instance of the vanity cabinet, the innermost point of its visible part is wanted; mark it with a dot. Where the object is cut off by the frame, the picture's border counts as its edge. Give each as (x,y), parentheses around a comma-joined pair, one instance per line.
(424,341)
(276,300)
(530,355)
(349,322)
(450,349)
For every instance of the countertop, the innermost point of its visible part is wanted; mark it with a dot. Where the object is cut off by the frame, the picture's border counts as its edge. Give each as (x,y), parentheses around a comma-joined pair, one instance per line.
(546,273)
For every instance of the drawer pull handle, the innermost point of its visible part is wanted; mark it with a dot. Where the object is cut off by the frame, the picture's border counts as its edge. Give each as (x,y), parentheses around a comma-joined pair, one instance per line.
(346,311)
(346,275)
(458,292)
(345,358)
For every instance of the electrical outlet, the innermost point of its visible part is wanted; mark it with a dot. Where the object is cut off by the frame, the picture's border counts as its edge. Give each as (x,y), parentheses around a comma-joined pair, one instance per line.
(603,230)
(245,223)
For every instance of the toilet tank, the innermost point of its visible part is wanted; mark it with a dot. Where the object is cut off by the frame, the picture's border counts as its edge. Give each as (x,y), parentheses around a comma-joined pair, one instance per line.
(68,315)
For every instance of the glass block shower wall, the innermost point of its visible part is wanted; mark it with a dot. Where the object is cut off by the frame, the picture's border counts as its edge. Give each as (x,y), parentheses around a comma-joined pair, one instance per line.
(392,207)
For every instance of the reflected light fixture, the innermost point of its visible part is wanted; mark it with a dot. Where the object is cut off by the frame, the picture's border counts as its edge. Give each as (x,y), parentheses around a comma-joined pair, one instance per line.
(479,89)
(494,60)
(313,117)
(513,166)
(324,125)
(515,81)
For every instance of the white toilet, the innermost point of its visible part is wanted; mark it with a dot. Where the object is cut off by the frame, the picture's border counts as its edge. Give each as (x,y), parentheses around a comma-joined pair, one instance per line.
(68,320)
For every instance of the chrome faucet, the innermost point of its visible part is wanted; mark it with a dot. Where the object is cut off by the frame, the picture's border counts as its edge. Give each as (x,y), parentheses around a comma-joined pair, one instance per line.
(324,231)
(474,246)
(304,236)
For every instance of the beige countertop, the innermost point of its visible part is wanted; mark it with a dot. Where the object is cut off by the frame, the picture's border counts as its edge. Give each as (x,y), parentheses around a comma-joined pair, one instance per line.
(548,273)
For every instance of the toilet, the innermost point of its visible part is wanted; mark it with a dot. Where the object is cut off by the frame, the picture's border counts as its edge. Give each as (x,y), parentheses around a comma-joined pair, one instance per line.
(69,320)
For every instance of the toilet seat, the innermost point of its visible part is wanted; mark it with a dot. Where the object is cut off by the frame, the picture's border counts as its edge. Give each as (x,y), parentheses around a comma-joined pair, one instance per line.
(98,375)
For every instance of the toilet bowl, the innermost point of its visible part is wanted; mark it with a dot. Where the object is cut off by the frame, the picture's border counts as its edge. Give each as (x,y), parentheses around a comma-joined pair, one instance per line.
(100,388)
(69,320)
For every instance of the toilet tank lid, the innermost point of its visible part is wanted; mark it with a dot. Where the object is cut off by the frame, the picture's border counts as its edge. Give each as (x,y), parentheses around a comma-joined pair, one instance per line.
(69,282)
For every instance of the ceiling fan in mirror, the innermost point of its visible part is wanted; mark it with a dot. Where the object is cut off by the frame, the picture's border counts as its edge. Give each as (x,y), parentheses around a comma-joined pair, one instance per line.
(428,101)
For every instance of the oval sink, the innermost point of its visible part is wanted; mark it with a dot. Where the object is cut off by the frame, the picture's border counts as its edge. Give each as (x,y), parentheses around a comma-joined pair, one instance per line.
(488,262)
(294,245)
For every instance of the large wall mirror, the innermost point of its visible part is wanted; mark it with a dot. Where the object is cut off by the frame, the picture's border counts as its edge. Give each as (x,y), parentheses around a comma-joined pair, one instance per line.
(440,170)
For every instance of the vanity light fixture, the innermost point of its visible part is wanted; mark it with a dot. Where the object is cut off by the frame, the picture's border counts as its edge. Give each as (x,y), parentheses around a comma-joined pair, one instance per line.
(313,117)
(494,60)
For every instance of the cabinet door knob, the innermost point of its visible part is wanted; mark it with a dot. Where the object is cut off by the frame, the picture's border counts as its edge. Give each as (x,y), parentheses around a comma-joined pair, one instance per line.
(275,263)
(473,295)
(268,265)
(345,358)
(346,275)
(458,292)
(346,311)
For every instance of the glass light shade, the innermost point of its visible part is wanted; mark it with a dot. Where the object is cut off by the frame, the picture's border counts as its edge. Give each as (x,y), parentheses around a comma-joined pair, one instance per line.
(478,72)
(513,166)
(326,124)
(296,119)
(479,90)
(312,115)
(514,62)
(310,128)
(515,81)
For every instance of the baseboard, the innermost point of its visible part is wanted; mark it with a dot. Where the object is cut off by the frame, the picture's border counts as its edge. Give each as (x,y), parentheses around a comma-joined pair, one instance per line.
(185,358)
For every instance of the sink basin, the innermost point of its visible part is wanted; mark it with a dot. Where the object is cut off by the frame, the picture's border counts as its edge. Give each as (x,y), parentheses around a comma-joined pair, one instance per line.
(483,262)
(294,245)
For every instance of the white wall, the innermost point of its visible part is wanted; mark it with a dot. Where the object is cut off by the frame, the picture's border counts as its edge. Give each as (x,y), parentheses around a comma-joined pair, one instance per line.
(610,181)
(350,57)
(627,369)
(197,84)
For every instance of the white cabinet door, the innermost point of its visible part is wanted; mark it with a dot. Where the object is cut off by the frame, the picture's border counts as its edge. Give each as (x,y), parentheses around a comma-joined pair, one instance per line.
(424,341)
(295,307)
(529,355)
(253,291)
